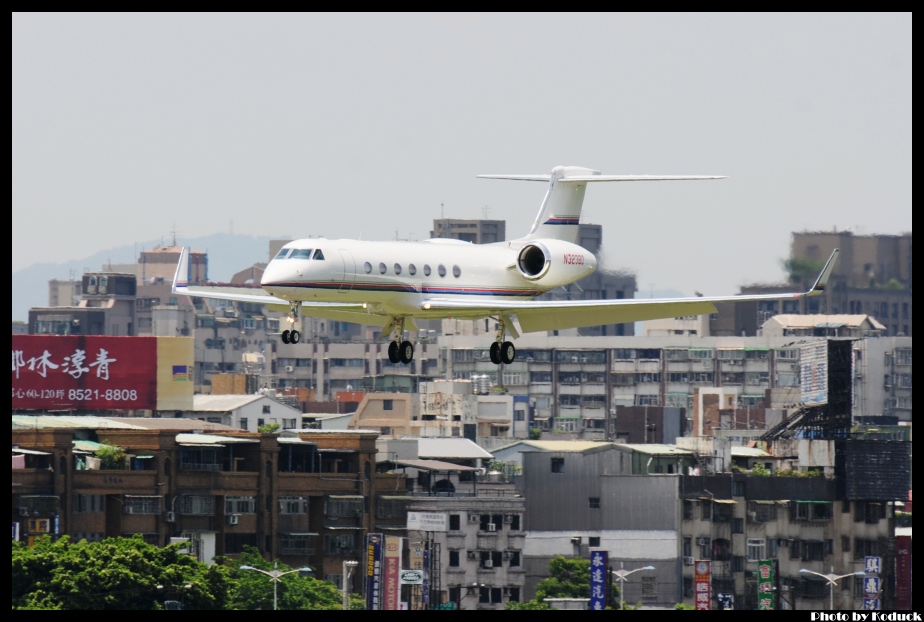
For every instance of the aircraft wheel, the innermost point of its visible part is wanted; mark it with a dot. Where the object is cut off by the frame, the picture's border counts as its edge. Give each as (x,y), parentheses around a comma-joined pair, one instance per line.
(507,352)
(406,352)
(294,336)
(393,352)
(495,353)
(285,336)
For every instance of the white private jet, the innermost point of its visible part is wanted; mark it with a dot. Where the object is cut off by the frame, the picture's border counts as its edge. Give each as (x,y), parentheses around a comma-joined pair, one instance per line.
(390,284)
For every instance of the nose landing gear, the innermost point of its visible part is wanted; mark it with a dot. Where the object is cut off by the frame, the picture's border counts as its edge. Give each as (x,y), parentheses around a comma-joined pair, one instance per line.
(292,336)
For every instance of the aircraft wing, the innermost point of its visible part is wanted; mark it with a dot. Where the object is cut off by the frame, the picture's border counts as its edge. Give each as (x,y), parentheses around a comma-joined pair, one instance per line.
(539,315)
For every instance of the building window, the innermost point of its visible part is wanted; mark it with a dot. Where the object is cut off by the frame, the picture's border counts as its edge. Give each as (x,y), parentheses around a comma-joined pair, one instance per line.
(89,504)
(197,505)
(756,549)
(343,506)
(737,525)
(453,559)
(688,547)
(514,594)
(388,404)
(558,465)
(240,505)
(649,587)
(594,503)
(706,507)
(593,541)
(244,423)
(296,544)
(455,522)
(687,509)
(339,544)
(293,505)
(133,504)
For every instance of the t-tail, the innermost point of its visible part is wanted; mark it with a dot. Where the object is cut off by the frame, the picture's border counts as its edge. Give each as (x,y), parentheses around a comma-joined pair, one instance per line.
(560,212)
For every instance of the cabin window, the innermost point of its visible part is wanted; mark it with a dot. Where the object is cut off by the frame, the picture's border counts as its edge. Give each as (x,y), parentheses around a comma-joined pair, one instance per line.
(442,270)
(456,271)
(382,268)
(411,269)
(426,269)
(318,254)
(397,268)
(367,267)
(282,253)
(301,253)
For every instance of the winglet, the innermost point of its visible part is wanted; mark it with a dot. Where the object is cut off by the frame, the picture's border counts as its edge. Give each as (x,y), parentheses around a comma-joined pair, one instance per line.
(822,280)
(181,278)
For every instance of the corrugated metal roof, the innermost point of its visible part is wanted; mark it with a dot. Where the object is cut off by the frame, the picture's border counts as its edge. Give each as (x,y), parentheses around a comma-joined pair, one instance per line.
(211,439)
(657,449)
(749,452)
(811,321)
(92,422)
(437,448)
(434,465)
(223,403)
(561,446)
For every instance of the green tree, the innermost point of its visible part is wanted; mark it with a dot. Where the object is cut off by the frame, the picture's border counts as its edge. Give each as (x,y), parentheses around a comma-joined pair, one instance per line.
(254,590)
(111,458)
(800,270)
(268,428)
(115,574)
(569,577)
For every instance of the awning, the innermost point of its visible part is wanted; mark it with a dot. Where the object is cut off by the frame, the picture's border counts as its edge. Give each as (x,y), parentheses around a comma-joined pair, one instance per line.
(396,498)
(341,528)
(31,452)
(344,496)
(298,534)
(144,457)
(825,502)
(391,528)
(337,451)
(293,440)
(724,501)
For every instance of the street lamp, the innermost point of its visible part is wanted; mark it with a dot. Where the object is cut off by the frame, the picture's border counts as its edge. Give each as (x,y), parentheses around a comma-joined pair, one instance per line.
(832,579)
(348,567)
(621,575)
(275,575)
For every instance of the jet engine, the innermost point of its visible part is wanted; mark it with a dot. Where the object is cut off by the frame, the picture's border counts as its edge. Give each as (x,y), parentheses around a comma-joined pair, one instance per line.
(552,263)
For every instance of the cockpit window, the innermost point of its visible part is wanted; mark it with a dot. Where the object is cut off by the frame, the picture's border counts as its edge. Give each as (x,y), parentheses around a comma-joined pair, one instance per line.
(301,253)
(282,253)
(318,254)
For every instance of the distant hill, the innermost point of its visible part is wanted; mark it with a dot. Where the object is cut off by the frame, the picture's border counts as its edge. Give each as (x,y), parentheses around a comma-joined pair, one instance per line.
(228,253)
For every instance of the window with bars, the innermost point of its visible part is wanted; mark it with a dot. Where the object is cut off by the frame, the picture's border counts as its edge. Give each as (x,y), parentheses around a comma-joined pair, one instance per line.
(756,548)
(89,504)
(297,543)
(343,507)
(293,505)
(141,505)
(339,544)
(197,505)
(240,505)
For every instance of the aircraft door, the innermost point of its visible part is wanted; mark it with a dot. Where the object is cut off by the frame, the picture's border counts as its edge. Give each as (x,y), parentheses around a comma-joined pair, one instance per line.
(349,271)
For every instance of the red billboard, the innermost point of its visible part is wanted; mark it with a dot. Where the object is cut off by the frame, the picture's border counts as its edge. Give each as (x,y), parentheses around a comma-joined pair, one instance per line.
(702,585)
(84,372)
(903,572)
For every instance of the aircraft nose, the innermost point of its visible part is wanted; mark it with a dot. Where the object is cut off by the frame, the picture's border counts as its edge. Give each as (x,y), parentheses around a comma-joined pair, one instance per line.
(273,274)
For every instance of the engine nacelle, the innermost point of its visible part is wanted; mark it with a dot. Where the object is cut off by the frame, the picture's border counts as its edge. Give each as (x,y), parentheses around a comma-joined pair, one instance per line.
(552,263)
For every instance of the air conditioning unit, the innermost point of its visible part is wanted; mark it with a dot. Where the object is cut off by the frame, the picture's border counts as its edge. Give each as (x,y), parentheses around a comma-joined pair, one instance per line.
(170,517)
(24,511)
(702,541)
(506,554)
(687,561)
(289,369)
(474,518)
(487,563)
(234,519)
(782,542)
(508,519)
(492,527)
(473,555)
(752,516)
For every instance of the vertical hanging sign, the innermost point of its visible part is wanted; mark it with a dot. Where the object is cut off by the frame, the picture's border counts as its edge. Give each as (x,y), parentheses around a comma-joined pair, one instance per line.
(392,588)
(598,580)
(702,590)
(766,597)
(374,571)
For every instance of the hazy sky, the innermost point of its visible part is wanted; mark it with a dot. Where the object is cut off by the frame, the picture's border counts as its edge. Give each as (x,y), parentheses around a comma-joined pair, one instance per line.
(125,126)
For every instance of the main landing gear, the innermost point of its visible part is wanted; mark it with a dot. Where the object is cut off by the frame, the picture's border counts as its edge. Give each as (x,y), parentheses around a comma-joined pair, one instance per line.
(292,336)
(400,351)
(502,351)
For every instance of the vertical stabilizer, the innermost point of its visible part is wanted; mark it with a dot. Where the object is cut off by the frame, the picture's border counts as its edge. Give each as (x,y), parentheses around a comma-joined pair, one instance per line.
(560,212)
